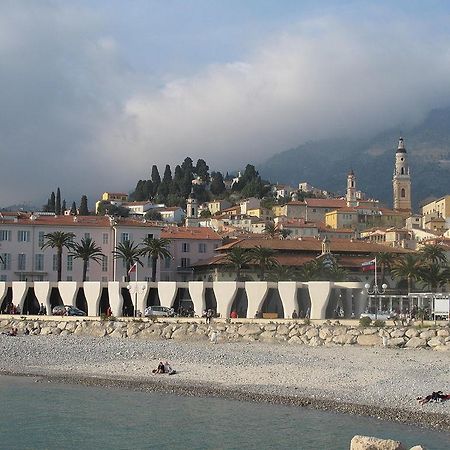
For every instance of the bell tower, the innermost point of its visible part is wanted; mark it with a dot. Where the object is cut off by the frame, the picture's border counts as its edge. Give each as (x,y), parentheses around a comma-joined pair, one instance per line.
(351,189)
(401,182)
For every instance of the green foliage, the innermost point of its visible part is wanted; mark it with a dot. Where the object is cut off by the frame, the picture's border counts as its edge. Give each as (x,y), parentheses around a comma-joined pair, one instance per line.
(264,257)
(58,202)
(236,259)
(106,207)
(156,249)
(84,211)
(205,213)
(58,240)
(217,186)
(307,321)
(128,252)
(153,214)
(365,321)
(378,323)
(87,250)
(73,209)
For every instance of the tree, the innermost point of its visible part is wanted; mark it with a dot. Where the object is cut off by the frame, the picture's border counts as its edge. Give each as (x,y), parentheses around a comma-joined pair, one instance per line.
(205,214)
(73,209)
(406,267)
(264,257)
(84,211)
(58,202)
(156,179)
(271,230)
(282,273)
(51,203)
(156,249)
(153,214)
(311,271)
(217,186)
(433,275)
(129,252)
(201,169)
(385,261)
(86,250)
(237,258)
(106,207)
(63,207)
(58,240)
(433,253)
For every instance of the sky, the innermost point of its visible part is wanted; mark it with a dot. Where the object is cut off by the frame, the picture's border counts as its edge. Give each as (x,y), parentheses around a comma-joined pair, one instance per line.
(92,93)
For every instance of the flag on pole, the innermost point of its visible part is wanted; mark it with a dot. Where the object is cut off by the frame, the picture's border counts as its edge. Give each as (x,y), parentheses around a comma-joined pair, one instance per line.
(369,265)
(133,268)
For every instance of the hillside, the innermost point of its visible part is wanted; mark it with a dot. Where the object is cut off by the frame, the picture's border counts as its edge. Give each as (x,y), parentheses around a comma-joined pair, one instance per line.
(326,163)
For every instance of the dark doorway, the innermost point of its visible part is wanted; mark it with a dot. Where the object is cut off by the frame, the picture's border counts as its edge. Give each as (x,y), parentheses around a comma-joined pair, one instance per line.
(304,303)
(240,303)
(7,300)
(55,298)
(153,297)
(80,301)
(273,304)
(104,302)
(183,305)
(331,311)
(210,300)
(128,303)
(31,303)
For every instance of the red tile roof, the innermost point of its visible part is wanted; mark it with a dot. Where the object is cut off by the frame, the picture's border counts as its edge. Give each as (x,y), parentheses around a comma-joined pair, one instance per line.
(200,233)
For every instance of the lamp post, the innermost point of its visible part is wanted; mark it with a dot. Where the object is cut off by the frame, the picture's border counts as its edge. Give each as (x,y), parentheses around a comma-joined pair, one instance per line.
(134,289)
(375,291)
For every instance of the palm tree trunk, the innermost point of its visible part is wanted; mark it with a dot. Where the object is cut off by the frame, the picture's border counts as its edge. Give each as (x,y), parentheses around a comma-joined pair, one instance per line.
(59,261)
(154,263)
(85,264)
(127,276)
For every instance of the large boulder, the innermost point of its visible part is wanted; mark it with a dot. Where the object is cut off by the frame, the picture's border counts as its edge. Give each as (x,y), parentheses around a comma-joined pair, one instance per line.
(344,339)
(373,443)
(312,332)
(416,342)
(427,334)
(249,329)
(369,340)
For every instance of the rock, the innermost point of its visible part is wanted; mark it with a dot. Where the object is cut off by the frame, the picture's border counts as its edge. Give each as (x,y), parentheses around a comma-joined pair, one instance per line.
(295,340)
(270,327)
(373,443)
(411,332)
(180,333)
(249,329)
(427,334)
(282,330)
(416,342)
(132,328)
(443,333)
(398,333)
(337,331)
(370,330)
(46,331)
(315,341)
(267,335)
(312,332)
(119,333)
(396,342)
(354,332)
(434,342)
(418,447)
(442,348)
(325,332)
(344,339)
(369,340)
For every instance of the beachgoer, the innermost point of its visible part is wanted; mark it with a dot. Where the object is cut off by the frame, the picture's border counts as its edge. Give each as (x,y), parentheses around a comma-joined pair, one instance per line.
(209,315)
(108,312)
(233,315)
(308,312)
(214,337)
(294,314)
(168,369)
(437,396)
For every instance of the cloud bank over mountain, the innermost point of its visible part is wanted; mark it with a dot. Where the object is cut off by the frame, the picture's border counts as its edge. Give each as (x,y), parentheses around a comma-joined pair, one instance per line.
(76,114)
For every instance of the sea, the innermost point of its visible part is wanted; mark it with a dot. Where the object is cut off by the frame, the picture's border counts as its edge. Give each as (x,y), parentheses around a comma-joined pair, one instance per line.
(50,415)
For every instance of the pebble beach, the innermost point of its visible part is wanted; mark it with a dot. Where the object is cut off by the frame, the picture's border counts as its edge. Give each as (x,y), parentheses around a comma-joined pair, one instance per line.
(377,382)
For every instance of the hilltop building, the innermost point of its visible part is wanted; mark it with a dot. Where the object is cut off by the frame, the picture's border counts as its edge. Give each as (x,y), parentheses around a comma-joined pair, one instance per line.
(401,182)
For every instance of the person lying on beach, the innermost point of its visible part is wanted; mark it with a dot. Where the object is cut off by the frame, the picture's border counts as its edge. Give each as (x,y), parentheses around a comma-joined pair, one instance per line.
(434,397)
(160,368)
(168,369)
(12,332)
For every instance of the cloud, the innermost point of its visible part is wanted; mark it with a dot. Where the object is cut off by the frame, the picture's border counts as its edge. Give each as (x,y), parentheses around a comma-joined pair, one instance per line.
(75,115)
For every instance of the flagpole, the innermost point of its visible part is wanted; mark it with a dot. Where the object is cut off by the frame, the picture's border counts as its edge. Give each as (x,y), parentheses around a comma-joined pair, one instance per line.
(136,292)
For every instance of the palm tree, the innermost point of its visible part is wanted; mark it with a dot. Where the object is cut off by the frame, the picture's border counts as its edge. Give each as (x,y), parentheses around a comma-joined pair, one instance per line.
(86,250)
(282,273)
(433,275)
(271,230)
(129,252)
(237,258)
(385,261)
(155,248)
(264,257)
(58,240)
(311,271)
(407,267)
(433,253)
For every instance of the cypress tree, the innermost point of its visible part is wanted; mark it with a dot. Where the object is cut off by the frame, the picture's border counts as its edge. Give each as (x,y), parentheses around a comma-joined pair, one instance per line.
(156,179)
(63,207)
(84,211)
(73,209)
(51,205)
(58,202)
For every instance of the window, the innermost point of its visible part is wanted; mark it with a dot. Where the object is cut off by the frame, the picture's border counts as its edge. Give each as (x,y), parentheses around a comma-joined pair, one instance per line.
(104,263)
(105,238)
(185,262)
(104,279)
(185,247)
(55,263)
(150,236)
(124,237)
(69,278)
(5,261)
(21,261)
(5,235)
(69,263)
(403,193)
(38,261)
(41,238)
(23,236)
(87,235)
(202,247)
(3,278)
(167,262)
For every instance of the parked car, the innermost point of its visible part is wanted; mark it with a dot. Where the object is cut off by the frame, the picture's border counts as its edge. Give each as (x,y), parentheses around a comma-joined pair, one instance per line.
(382,315)
(67,310)
(161,311)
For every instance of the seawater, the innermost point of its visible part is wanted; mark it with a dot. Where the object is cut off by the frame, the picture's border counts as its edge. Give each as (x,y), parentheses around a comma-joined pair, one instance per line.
(43,415)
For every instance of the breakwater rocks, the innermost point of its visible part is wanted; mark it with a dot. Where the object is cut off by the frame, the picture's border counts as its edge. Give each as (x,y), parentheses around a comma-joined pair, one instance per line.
(292,332)
(372,443)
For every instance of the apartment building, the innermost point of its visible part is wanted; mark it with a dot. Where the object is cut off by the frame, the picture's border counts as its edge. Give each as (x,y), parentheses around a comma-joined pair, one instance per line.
(22,236)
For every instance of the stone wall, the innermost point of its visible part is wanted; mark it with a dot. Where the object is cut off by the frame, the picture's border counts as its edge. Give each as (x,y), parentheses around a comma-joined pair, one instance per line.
(292,332)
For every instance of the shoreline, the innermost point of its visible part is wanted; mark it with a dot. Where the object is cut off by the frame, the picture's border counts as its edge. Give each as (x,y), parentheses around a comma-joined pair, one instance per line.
(420,418)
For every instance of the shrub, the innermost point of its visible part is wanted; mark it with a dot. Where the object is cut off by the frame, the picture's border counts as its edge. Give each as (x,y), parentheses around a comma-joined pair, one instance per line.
(365,321)
(307,321)
(379,323)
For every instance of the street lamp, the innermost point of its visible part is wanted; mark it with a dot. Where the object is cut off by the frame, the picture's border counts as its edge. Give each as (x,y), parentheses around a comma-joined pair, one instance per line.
(375,291)
(134,289)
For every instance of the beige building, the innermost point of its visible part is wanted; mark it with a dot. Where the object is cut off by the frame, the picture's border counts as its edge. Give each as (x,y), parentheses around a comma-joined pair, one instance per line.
(438,208)
(401,182)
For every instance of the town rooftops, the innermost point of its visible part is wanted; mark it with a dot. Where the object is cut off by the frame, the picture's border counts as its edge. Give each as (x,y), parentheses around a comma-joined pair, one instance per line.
(200,233)
(325,202)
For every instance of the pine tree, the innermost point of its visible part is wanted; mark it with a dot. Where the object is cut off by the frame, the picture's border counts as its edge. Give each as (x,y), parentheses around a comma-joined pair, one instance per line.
(84,211)
(58,202)
(201,169)
(217,185)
